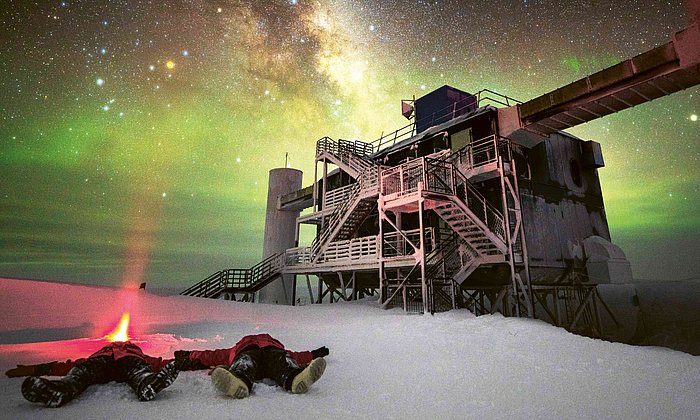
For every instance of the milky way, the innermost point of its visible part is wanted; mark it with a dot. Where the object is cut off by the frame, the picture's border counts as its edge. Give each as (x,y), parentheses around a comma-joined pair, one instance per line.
(136,136)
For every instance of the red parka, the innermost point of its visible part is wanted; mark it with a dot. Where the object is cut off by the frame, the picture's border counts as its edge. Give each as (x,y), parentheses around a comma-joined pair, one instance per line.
(225,356)
(116,350)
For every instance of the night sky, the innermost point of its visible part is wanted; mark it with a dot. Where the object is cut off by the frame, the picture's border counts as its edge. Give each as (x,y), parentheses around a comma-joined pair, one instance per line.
(136,136)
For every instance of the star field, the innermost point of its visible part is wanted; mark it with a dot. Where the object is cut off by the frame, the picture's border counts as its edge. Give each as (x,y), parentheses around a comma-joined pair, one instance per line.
(136,136)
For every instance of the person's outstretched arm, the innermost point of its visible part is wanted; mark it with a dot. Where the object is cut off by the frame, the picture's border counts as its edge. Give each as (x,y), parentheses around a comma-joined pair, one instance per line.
(44,369)
(203,359)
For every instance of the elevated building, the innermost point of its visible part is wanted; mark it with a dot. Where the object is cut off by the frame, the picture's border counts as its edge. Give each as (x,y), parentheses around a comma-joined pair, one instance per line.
(480,202)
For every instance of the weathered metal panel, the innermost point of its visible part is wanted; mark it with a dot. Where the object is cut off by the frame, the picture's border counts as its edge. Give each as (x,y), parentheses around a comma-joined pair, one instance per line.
(560,209)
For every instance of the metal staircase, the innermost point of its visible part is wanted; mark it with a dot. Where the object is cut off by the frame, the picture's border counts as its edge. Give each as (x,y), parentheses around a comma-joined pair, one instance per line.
(477,234)
(454,200)
(239,280)
(479,231)
(443,263)
(350,156)
(346,218)
(467,226)
(358,202)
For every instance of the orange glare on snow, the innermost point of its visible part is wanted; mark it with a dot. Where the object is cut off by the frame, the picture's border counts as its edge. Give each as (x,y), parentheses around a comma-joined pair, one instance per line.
(120,334)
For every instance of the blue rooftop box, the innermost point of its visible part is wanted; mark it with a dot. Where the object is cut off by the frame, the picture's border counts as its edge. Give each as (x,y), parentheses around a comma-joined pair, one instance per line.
(442,105)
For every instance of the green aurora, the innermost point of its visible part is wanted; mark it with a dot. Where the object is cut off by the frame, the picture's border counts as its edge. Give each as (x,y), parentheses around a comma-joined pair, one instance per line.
(117,168)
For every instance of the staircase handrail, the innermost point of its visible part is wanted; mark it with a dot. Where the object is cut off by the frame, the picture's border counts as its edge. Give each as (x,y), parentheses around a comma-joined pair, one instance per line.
(459,186)
(337,196)
(266,268)
(443,249)
(203,287)
(490,216)
(447,246)
(333,220)
(441,176)
(354,154)
(238,278)
(366,181)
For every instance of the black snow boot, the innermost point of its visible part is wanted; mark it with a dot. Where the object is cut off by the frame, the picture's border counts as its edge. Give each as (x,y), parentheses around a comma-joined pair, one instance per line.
(50,393)
(58,393)
(147,384)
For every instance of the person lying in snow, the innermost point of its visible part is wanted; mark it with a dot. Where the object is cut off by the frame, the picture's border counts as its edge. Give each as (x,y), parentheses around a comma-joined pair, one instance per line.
(254,358)
(118,361)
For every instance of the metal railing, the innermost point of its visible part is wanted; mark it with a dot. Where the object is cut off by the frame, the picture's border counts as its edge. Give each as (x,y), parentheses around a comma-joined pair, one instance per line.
(402,179)
(481,152)
(364,149)
(363,249)
(351,153)
(337,196)
(365,185)
(484,96)
(399,244)
(390,139)
(239,278)
(298,256)
(208,287)
(355,147)
(440,176)
(491,97)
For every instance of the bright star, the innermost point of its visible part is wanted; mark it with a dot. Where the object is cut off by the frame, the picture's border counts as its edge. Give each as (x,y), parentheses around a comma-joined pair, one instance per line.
(323,22)
(170,64)
(100,82)
(103,51)
(185,53)
(151,67)
(693,117)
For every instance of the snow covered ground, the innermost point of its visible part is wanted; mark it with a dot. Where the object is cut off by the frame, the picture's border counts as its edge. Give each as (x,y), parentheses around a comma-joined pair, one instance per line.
(383,364)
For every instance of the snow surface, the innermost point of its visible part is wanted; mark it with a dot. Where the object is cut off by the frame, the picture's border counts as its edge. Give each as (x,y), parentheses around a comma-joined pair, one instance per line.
(382,363)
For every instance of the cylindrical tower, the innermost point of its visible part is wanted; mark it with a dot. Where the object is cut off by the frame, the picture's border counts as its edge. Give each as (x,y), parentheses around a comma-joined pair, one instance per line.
(280,227)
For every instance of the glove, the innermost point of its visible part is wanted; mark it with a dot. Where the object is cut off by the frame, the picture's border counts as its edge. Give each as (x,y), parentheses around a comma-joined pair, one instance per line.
(183,361)
(29,370)
(320,352)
